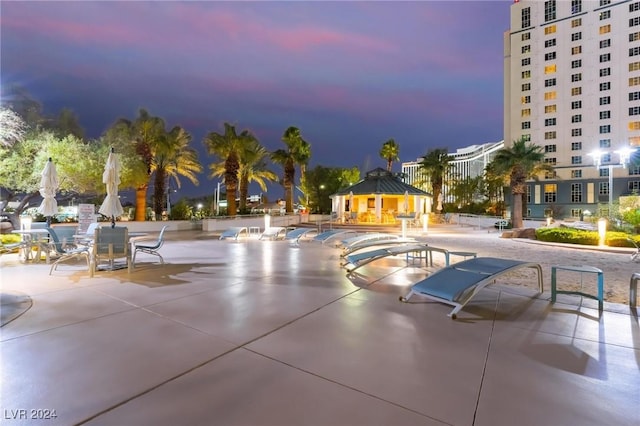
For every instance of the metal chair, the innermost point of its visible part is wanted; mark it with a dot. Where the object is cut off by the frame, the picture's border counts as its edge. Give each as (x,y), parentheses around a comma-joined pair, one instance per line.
(150,247)
(110,244)
(55,244)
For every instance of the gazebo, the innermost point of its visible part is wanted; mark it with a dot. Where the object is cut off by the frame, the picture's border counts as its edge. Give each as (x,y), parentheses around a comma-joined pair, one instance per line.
(381,197)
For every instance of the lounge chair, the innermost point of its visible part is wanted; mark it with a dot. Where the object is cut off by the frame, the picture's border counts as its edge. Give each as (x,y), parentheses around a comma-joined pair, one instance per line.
(295,234)
(273,233)
(234,232)
(326,236)
(66,253)
(357,260)
(457,284)
(149,247)
(371,236)
(377,243)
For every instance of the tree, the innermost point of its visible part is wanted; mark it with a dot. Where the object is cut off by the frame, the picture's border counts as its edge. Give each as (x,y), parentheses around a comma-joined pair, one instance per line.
(436,164)
(297,153)
(172,158)
(390,152)
(520,162)
(253,168)
(12,127)
(229,148)
(320,182)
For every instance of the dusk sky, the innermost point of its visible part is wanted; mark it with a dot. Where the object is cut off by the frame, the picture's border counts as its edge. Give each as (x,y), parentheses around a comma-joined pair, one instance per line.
(350,75)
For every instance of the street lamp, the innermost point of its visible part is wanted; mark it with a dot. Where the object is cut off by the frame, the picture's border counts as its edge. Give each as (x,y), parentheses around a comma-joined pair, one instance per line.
(625,156)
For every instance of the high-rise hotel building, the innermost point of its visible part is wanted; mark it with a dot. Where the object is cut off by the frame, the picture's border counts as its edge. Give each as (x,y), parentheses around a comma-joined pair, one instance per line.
(572,86)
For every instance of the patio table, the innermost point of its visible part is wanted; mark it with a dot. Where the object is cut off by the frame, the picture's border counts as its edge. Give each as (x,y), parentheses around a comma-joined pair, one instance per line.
(36,237)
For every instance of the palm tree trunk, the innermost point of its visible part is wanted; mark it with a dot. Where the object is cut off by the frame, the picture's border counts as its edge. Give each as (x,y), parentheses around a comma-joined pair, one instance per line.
(517,211)
(244,192)
(141,203)
(231,200)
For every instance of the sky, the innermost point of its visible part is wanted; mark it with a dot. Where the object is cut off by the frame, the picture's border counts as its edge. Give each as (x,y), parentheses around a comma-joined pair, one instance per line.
(350,75)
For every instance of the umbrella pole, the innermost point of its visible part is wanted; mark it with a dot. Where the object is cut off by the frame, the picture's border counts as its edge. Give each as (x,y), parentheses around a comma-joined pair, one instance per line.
(48,221)
(113,221)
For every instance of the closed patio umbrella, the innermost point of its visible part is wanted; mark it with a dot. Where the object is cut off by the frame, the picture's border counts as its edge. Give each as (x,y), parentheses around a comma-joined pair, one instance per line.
(406,202)
(48,187)
(351,209)
(111,206)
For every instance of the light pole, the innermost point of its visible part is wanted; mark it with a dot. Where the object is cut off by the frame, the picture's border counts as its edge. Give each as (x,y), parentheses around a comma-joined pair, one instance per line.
(625,156)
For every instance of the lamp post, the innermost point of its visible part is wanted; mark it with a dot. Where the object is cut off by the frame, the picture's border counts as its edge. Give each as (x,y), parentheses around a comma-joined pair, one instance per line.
(625,156)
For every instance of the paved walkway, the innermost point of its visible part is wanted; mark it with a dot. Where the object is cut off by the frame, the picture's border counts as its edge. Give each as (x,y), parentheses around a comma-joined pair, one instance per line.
(264,333)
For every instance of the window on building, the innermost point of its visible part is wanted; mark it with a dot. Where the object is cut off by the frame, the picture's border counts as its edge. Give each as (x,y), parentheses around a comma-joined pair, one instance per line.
(605,2)
(550,43)
(550,82)
(634,170)
(603,188)
(550,174)
(549,135)
(576,104)
(549,96)
(577,173)
(634,36)
(634,110)
(605,115)
(548,109)
(550,192)
(526,137)
(605,128)
(576,192)
(576,64)
(551,29)
(525,17)
(550,69)
(526,87)
(551,161)
(605,100)
(576,50)
(526,112)
(577,118)
(549,56)
(634,81)
(605,86)
(576,22)
(576,132)
(576,6)
(550,148)
(526,61)
(634,186)
(634,22)
(634,66)
(576,159)
(525,99)
(634,51)
(606,158)
(525,36)
(634,6)
(575,91)
(605,72)
(526,48)
(549,10)
(634,125)
(576,146)
(605,29)
(605,57)
(604,172)
(634,96)
(605,14)
(605,43)
(576,77)
(576,36)
(526,74)
(549,122)
(605,143)
(528,194)
(526,125)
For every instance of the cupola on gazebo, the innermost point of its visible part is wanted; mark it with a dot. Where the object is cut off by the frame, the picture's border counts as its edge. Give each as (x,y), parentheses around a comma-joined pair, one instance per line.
(381,197)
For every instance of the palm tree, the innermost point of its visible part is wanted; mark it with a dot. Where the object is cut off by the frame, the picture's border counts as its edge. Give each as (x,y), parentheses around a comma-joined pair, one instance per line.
(390,151)
(229,148)
(436,164)
(522,161)
(298,152)
(173,157)
(253,168)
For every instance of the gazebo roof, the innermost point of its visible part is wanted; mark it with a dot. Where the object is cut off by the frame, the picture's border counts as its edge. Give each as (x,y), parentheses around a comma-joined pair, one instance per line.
(381,181)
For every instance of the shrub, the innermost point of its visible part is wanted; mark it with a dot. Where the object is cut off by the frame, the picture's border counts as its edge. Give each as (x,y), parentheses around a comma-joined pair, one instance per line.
(579,236)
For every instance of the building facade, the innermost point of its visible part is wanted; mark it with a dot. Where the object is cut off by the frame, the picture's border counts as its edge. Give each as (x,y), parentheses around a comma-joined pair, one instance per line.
(572,86)
(468,162)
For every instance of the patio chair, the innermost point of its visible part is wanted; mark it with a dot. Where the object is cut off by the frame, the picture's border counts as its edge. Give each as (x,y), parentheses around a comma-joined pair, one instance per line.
(273,233)
(64,252)
(149,247)
(234,232)
(457,284)
(296,234)
(110,244)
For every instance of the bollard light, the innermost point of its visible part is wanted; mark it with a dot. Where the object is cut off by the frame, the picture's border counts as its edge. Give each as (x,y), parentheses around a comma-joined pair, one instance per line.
(602,230)
(267,221)
(548,221)
(25,223)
